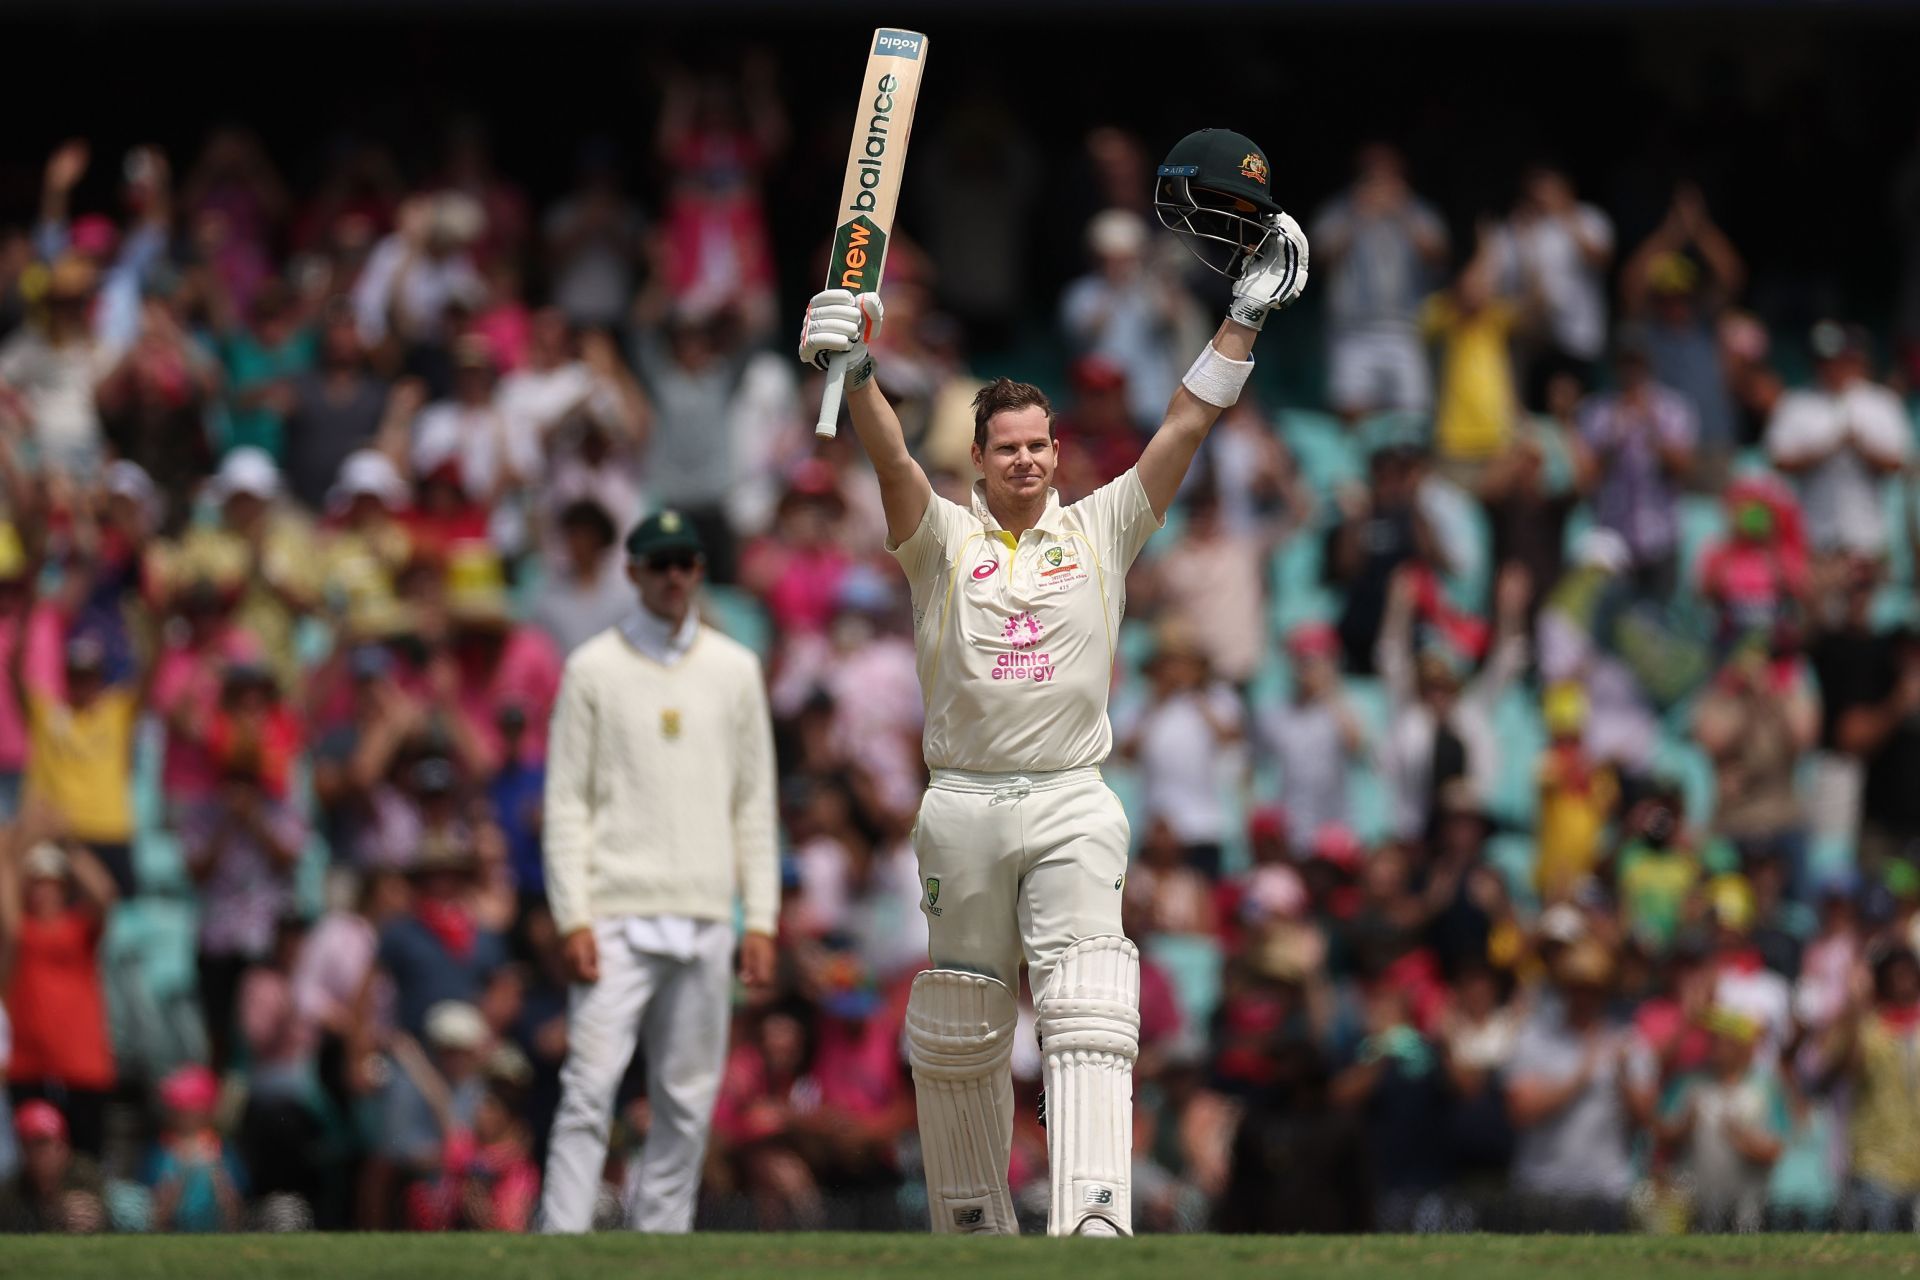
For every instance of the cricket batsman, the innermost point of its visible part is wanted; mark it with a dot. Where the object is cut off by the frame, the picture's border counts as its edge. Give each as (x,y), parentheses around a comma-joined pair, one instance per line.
(1017,600)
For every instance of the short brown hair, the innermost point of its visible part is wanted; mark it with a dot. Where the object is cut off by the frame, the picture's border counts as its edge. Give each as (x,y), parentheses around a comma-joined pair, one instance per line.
(1002,395)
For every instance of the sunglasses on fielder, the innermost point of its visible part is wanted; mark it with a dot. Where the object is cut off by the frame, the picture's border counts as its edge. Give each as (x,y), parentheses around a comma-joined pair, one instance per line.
(669,561)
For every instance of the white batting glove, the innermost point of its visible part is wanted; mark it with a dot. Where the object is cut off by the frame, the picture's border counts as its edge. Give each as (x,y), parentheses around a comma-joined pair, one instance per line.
(1275,278)
(837,321)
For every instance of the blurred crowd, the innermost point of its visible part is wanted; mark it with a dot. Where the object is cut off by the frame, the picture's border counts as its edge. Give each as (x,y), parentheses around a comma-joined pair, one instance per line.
(1521,734)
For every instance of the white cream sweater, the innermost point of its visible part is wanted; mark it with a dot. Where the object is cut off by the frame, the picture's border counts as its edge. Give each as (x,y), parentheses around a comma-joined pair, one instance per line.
(660,786)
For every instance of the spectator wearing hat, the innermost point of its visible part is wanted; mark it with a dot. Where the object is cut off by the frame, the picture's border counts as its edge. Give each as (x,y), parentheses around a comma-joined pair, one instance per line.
(1838,439)
(1640,442)
(1380,244)
(1185,741)
(337,407)
(1727,1126)
(1441,724)
(1577,796)
(241,846)
(1678,282)
(258,546)
(1757,578)
(1131,309)
(494,661)
(53,911)
(1579,1088)
(51,371)
(55,1190)
(1314,737)
(659,814)
(367,544)
(197,1180)
(432,1097)
(1872,1045)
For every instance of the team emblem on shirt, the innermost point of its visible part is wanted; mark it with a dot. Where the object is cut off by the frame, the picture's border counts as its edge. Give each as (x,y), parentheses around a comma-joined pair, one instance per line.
(1023,631)
(1055,555)
(669,725)
(933,895)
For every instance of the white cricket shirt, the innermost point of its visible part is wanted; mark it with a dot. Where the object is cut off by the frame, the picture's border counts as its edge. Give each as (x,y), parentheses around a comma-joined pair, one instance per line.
(1014,640)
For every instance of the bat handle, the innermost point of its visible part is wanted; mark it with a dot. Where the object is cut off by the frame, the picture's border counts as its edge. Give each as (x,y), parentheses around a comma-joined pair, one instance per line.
(829,424)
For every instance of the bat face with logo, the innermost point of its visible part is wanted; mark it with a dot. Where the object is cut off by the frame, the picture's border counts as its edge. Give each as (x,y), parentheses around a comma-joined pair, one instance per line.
(884,119)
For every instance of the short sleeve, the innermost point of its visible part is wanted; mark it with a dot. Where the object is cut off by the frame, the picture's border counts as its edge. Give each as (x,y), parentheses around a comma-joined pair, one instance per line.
(929,549)
(1797,428)
(1879,420)
(1119,518)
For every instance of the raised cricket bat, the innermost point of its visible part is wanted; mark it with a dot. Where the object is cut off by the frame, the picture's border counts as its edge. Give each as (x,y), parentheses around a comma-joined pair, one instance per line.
(871,188)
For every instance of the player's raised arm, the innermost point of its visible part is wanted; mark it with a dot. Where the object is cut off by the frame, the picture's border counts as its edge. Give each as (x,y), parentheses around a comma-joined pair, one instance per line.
(1212,193)
(838,321)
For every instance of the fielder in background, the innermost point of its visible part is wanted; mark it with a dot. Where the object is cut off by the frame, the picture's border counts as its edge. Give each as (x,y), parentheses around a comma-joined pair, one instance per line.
(659,813)
(1017,602)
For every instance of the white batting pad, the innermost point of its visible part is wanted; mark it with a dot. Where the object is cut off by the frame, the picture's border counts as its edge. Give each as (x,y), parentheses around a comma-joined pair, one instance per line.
(959,1040)
(1089,1021)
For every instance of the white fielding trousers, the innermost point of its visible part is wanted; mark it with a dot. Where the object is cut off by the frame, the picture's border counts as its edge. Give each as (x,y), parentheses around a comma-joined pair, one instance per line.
(677,1006)
(1018,864)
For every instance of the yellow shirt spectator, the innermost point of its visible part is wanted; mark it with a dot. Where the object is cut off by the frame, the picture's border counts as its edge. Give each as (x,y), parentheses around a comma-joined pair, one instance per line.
(80,762)
(1477,409)
(1576,798)
(1886,1106)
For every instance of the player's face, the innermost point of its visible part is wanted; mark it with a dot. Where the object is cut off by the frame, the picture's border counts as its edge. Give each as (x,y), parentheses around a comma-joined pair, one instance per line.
(1020,456)
(667,582)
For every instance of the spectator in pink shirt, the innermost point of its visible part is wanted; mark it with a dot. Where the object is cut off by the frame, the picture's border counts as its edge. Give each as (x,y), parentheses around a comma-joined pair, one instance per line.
(797,567)
(186,688)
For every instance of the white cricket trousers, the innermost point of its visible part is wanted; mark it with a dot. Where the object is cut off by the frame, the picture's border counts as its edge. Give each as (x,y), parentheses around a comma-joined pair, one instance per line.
(1015,865)
(679,1009)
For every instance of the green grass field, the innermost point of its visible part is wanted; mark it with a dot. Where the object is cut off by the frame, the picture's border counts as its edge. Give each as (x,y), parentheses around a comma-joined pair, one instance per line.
(794,1257)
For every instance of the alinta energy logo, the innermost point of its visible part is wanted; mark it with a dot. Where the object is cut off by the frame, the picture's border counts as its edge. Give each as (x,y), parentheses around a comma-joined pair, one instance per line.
(1022,632)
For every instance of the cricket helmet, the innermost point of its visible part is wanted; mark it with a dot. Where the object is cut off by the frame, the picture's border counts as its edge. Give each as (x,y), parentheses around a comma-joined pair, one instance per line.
(1213,193)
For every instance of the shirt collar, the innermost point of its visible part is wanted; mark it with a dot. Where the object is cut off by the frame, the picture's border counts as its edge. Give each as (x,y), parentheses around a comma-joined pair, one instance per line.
(1050,521)
(659,639)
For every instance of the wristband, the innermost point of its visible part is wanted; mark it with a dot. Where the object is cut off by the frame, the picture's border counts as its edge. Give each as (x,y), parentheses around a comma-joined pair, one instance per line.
(1216,379)
(859,375)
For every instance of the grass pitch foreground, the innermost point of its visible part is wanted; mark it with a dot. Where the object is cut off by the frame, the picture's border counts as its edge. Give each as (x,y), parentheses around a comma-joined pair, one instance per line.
(797,1257)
